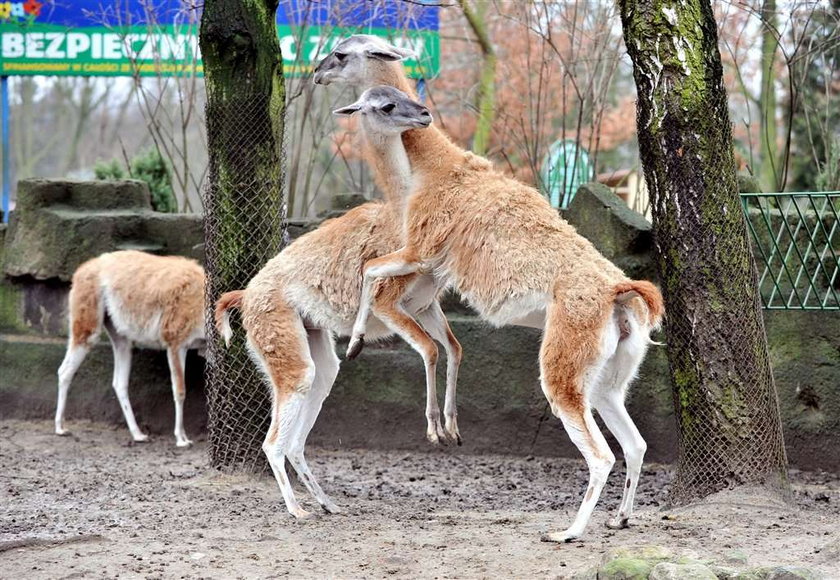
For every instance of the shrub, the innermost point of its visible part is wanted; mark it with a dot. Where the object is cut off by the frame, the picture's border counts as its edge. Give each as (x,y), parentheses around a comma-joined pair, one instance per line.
(151,167)
(148,166)
(108,170)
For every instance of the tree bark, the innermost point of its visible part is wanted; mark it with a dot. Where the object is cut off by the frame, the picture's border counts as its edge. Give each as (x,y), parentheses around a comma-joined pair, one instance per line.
(245,215)
(725,397)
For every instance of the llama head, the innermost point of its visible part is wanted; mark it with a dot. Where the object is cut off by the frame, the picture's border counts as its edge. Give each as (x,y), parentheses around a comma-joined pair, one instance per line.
(388,111)
(356,59)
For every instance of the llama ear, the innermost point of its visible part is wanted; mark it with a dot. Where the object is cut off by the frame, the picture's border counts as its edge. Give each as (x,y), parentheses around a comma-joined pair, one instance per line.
(406,53)
(348,110)
(384,54)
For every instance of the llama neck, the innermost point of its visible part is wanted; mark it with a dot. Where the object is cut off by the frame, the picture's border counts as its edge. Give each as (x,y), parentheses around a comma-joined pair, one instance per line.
(430,152)
(392,74)
(391,168)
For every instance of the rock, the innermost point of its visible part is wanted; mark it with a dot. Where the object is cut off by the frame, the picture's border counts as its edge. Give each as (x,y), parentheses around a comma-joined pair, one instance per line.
(671,571)
(625,569)
(59,224)
(588,574)
(345,201)
(724,572)
(621,234)
(735,557)
(748,184)
(653,553)
(759,573)
(792,573)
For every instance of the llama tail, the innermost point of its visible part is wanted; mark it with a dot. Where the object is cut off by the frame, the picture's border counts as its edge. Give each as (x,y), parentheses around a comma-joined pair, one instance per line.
(651,295)
(227,301)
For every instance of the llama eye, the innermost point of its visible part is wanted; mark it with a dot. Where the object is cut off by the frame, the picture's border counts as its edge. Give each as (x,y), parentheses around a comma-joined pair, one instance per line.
(388,108)
(340,56)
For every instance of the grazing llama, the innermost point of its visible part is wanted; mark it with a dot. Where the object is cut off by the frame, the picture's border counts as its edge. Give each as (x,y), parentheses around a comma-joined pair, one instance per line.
(154,301)
(310,291)
(515,260)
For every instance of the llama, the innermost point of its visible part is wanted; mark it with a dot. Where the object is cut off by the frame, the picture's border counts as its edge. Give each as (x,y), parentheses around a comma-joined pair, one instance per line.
(365,60)
(308,293)
(515,260)
(320,273)
(154,301)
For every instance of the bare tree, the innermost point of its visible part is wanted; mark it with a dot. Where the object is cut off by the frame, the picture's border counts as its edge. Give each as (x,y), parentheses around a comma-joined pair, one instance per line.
(476,15)
(169,93)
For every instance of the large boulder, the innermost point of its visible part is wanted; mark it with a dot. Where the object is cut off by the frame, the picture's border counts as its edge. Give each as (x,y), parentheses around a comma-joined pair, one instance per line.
(59,224)
(622,235)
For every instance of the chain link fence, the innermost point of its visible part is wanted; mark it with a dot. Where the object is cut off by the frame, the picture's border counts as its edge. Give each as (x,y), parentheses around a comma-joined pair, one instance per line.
(244,227)
(725,397)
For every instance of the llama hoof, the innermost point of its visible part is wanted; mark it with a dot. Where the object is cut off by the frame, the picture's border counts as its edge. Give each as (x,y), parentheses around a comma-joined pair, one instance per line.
(433,438)
(301,514)
(454,436)
(183,443)
(61,432)
(331,508)
(355,347)
(618,523)
(559,537)
(140,438)
(435,433)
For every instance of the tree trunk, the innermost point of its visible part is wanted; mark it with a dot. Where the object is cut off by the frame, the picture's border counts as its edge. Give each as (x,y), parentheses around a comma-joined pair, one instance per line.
(770,171)
(725,398)
(487,81)
(245,215)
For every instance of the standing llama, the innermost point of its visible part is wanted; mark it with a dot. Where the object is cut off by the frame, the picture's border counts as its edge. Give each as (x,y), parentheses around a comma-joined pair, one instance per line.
(516,261)
(310,291)
(154,301)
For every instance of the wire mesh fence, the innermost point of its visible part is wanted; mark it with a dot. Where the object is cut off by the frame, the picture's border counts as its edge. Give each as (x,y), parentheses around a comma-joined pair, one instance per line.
(725,400)
(797,242)
(244,228)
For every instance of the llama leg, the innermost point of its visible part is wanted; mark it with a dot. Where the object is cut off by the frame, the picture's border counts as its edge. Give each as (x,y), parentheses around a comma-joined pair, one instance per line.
(613,412)
(86,313)
(278,345)
(322,350)
(76,353)
(284,418)
(434,321)
(177,357)
(586,436)
(389,310)
(608,399)
(397,263)
(122,370)
(569,370)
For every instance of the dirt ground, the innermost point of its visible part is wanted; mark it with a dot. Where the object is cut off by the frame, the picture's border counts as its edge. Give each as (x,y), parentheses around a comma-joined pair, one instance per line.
(95,505)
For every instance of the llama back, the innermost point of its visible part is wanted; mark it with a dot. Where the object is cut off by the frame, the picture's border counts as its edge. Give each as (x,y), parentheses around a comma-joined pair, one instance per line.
(153,299)
(513,247)
(321,271)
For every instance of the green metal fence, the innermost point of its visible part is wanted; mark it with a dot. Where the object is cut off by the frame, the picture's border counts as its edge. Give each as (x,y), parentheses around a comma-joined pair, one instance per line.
(797,243)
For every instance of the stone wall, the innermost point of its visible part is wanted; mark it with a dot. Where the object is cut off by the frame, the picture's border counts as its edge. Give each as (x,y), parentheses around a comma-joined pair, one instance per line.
(378,400)
(55,227)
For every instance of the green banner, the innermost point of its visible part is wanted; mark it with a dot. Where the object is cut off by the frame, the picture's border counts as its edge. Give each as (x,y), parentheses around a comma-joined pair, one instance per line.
(48,49)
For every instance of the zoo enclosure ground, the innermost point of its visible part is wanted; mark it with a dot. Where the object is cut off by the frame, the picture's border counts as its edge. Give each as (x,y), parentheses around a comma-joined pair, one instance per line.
(96,505)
